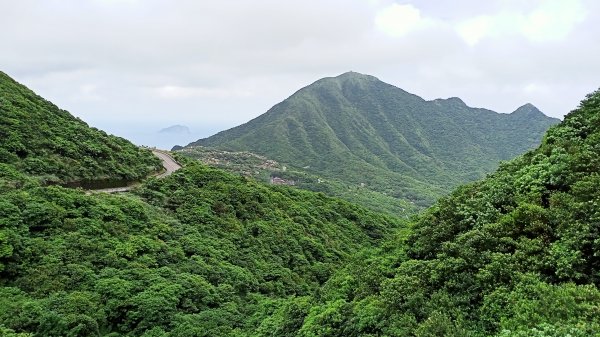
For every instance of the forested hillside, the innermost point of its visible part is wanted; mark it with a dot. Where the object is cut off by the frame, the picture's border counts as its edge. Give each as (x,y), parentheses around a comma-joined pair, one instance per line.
(196,254)
(360,130)
(44,141)
(264,169)
(513,255)
(199,253)
(203,252)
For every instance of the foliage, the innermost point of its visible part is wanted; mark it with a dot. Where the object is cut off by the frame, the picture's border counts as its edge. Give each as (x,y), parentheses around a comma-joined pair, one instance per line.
(204,252)
(512,255)
(358,130)
(198,253)
(44,141)
(263,169)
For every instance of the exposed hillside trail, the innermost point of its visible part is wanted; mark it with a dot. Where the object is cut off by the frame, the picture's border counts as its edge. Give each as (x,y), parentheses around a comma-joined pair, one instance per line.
(169,164)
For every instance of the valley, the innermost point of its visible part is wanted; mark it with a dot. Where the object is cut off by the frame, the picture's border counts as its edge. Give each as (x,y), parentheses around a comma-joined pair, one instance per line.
(200,251)
(270,171)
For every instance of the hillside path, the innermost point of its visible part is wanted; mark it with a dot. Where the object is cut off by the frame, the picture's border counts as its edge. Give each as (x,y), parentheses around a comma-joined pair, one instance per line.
(169,164)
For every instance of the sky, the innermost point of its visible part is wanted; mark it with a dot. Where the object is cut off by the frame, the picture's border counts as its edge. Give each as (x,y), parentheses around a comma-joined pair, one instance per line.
(133,67)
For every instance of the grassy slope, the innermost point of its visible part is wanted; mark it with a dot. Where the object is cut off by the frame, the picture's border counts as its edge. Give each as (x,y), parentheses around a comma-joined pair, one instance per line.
(358,129)
(42,140)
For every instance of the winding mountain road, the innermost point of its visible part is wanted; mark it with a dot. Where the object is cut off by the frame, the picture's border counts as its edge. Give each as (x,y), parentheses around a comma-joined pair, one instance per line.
(169,164)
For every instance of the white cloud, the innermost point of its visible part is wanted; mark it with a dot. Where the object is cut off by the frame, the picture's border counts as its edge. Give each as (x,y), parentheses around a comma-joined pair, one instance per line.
(473,30)
(222,63)
(116,2)
(535,88)
(552,20)
(89,92)
(398,20)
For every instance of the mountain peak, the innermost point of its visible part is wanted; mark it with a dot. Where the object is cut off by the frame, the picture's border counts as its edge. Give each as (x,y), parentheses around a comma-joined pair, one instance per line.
(452,102)
(353,74)
(455,101)
(384,134)
(347,79)
(528,109)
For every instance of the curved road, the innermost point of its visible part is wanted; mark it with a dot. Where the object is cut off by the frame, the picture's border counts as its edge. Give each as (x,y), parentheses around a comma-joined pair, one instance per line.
(169,164)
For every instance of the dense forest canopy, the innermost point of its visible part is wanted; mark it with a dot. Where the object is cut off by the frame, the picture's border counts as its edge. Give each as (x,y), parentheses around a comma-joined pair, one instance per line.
(199,253)
(265,169)
(42,140)
(515,254)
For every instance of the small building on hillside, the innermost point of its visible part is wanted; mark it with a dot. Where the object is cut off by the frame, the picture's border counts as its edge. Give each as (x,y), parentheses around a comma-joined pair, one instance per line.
(281,181)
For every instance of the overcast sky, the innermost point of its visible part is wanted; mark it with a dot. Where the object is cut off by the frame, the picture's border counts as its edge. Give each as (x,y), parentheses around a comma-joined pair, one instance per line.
(133,67)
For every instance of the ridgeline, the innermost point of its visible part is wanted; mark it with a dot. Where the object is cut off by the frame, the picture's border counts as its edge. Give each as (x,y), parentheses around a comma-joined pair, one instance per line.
(356,129)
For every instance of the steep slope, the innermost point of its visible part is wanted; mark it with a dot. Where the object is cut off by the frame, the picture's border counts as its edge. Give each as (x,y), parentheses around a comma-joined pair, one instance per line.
(43,140)
(513,255)
(356,128)
(197,253)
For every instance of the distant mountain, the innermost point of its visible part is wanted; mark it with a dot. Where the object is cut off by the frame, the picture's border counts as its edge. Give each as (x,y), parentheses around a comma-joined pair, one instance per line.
(359,129)
(176,129)
(41,140)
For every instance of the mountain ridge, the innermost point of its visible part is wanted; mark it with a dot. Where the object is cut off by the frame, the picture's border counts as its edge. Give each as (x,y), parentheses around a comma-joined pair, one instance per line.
(382,131)
(206,253)
(514,254)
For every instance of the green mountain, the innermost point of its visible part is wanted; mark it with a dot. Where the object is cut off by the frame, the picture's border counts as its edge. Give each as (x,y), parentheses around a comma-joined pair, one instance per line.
(360,130)
(201,252)
(42,140)
(515,254)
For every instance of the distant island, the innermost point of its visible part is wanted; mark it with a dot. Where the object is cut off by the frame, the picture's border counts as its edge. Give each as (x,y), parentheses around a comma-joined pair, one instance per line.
(176,129)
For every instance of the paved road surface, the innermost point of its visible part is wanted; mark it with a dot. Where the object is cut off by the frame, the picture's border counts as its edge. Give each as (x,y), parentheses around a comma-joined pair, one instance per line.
(169,164)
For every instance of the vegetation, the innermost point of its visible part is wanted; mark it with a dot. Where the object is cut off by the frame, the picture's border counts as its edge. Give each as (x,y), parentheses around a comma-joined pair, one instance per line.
(263,169)
(512,255)
(204,252)
(199,253)
(44,141)
(356,129)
